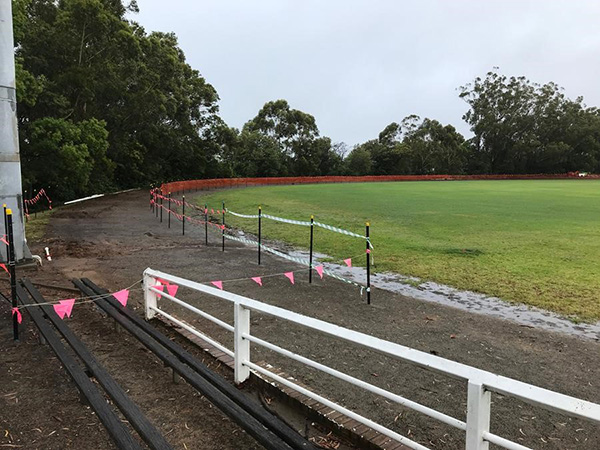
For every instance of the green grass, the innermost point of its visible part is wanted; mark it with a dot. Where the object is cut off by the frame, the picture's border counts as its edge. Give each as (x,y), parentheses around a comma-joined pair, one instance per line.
(35,228)
(535,242)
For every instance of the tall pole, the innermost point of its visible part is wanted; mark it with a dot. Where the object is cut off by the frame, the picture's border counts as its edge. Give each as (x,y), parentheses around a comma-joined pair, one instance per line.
(11,190)
(12,270)
(161,209)
(183,216)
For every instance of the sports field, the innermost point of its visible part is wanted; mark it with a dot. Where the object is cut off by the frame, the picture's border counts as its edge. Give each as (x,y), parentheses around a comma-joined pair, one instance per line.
(535,242)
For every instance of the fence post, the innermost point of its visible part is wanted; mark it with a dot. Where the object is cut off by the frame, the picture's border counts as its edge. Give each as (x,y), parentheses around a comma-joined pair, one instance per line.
(368,264)
(241,351)
(12,269)
(149,296)
(183,216)
(223,228)
(155,202)
(161,209)
(169,212)
(478,416)
(310,254)
(151,201)
(206,224)
(259,231)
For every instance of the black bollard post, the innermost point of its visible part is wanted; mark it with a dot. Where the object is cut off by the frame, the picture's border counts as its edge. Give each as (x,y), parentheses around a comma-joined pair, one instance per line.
(223,228)
(156,203)
(151,201)
(310,255)
(169,212)
(206,224)
(368,265)
(161,208)
(259,231)
(12,269)
(183,217)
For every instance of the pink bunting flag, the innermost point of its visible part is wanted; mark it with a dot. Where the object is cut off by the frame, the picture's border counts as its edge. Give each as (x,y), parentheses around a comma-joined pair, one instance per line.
(348,262)
(205,210)
(212,210)
(68,306)
(218,284)
(257,280)
(319,270)
(59,309)
(4,240)
(5,269)
(160,287)
(172,289)
(64,308)
(368,250)
(218,211)
(122,296)
(18,313)
(290,275)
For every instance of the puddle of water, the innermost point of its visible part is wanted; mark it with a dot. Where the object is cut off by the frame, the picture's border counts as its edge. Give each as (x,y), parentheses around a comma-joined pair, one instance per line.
(465,300)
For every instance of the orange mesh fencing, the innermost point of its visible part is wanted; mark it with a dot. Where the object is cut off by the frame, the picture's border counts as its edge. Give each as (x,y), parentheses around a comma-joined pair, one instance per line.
(217,183)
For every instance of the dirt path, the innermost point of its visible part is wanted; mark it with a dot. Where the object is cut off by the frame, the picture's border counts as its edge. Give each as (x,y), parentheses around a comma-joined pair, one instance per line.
(113,239)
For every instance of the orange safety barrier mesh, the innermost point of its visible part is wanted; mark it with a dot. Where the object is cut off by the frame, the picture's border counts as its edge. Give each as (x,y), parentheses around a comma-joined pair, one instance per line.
(216,183)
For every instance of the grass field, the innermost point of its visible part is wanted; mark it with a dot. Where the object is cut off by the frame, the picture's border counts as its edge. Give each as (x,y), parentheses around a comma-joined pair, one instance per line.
(535,242)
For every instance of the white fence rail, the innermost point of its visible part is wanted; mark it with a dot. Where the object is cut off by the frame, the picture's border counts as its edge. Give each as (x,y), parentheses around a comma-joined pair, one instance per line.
(480,383)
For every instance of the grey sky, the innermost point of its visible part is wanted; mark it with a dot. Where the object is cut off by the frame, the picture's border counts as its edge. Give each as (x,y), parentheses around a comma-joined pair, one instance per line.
(359,65)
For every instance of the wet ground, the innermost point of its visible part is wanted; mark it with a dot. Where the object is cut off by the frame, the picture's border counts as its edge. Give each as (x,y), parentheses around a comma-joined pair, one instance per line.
(113,239)
(465,300)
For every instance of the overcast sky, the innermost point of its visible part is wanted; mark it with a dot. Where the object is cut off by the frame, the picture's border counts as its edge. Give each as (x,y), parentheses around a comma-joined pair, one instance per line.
(359,65)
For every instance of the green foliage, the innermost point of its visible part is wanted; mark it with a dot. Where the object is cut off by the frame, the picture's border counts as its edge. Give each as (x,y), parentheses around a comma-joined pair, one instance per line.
(81,60)
(535,242)
(358,161)
(63,155)
(411,147)
(303,152)
(525,127)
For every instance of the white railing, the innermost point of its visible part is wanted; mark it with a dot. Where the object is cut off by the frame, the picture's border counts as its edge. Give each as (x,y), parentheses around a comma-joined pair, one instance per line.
(480,383)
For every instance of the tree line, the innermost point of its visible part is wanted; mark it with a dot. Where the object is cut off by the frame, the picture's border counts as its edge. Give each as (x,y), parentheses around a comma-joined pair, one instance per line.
(105,105)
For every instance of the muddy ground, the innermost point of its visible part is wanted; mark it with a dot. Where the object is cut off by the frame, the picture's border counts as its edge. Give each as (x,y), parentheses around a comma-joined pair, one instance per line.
(111,240)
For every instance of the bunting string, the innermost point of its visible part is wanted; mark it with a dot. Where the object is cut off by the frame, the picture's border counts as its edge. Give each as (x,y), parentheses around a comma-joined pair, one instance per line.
(32,201)
(82,300)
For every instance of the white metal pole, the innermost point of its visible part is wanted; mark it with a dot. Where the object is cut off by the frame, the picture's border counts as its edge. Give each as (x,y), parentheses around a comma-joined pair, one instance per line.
(149,296)
(478,416)
(11,191)
(241,345)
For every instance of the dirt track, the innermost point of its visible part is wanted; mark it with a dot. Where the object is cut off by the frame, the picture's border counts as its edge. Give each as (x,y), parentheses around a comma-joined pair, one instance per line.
(113,239)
